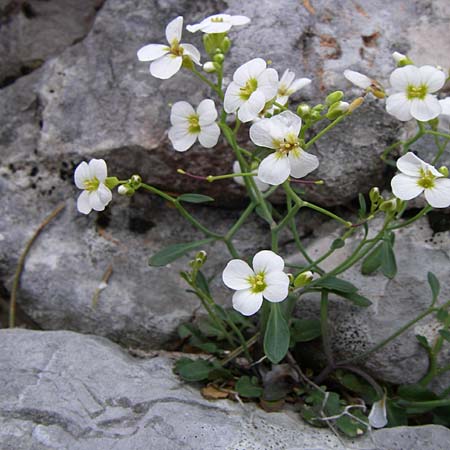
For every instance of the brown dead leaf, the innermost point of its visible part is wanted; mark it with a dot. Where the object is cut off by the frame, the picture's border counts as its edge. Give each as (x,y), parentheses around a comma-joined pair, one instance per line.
(212,392)
(308,6)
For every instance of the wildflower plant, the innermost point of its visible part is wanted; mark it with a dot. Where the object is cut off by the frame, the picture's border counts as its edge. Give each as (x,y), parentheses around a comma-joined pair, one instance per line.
(260,330)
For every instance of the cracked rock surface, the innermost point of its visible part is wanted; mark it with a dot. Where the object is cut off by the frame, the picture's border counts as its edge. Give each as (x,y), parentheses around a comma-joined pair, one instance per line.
(67,391)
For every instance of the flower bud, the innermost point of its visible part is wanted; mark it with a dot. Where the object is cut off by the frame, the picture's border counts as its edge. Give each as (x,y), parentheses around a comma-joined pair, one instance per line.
(334,97)
(226,44)
(374,195)
(209,67)
(389,205)
(303,279)
(401,59)
(135,182)
(303,110)
(125,189)
(443,170)
(315,115)
(319,107)
(219,58)
(355,104)
(201,256)
(336,110)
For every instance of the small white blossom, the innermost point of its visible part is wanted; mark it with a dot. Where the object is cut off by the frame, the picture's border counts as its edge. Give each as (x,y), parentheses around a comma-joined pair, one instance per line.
(280,133)
(412,89)
(416,177)
(398,57)
(91,178)
(444,117)
(358,79)
(252,86)
(266,280)
(377,415)
(168,59)
(288,86)
(240,180)
(189,124)
(218,23)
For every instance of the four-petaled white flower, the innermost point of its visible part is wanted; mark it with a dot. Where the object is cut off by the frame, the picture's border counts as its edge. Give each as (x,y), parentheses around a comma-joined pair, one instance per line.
(266,280)
(288,86)
(252,86)
(358,79)
(444,117)
(218,23)
(188,124)
(416,177)
(411,95)
(377,415)
(91,178)
(280,133)
(167,60)
(240,180)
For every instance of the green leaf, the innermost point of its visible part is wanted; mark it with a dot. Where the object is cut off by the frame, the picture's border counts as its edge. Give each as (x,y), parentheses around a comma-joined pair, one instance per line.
(262,212)
(356,298)
(304,330)
(442,315)
(422,341)
(416,393)
(175,251)
(194,198)
(248,387)
(362,205)
(372,261)
(187,329)
(388,263)
(193,370)
(276,338)
(445,334)
(395,414)
(434,285)
(202,283)
(351,427)
(337,243)
(336,284)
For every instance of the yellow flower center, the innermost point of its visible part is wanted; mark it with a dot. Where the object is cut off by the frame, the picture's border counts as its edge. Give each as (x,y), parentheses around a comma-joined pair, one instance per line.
(216,19)
(290,143)
(257,283)
(248,89)
(426,179)
(283,90)
(176,49)
(419,92)
(91,185)
(194,124)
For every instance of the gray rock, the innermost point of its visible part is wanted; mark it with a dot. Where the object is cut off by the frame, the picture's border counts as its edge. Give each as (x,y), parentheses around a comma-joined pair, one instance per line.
(395,302)
(33,31)
(68,391)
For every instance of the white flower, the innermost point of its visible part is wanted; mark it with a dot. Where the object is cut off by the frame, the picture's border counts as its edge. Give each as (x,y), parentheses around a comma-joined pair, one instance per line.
(416,177)
(188,124)
(281,132)
(287,86)
(91,178)
(167,60)
(398,57)
(377,415)
(252,86)
(412,87)
(266,279)
(444,117)
(240,180)
(358,79)
(218,23)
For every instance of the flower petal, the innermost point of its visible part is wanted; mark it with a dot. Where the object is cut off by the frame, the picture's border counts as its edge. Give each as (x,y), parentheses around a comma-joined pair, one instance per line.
(250,109)
(358,79)
(104,194)
(238,21)
(405,187)
(181,139)
(232,100)
(83,204)
(410,164)
(274,169)
(298,84)
(267,261)
(426,109)
(302,163)
(216,27)
(251,69)
(207,112)
(260,133)
(193,52)
(98,169)
(445,106)
(247,302)
(402,77)
(377,415)
(174,30)
(286,79)
(277,286)
(236,274)
(180,113)
(81,174)
(286,122)
(399,106)
(152,51)
(165,67)
(432,77)
(439,196)
(95,201)
(268,83)
(209,135)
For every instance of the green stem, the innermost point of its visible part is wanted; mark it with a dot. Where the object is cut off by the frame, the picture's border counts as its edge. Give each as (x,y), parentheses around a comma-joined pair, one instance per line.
(437,133)
(428,404)
(240,221)
(324,326)
(215,88)
(420,214)
(325,130)
(279,106)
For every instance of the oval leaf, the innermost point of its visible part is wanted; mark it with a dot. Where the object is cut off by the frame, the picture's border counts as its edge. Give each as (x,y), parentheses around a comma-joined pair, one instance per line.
(175,251)
(248,387)
(388,263)
(335,284)
(372,261)
(194,198)
(304,330)
(356,298)
(434,285)
(193,370)
(277,336)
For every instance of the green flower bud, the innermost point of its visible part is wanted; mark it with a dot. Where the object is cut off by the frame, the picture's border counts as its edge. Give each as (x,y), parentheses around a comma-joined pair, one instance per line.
(209,67)
(303,279)
(135,182)
(401,59)
(319,107)
(336,110)
(334,97)
(125,189)
(374,195)
(315,115)
(226,44)
(443,170)
(219,58)
(389,205)
(303,110)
